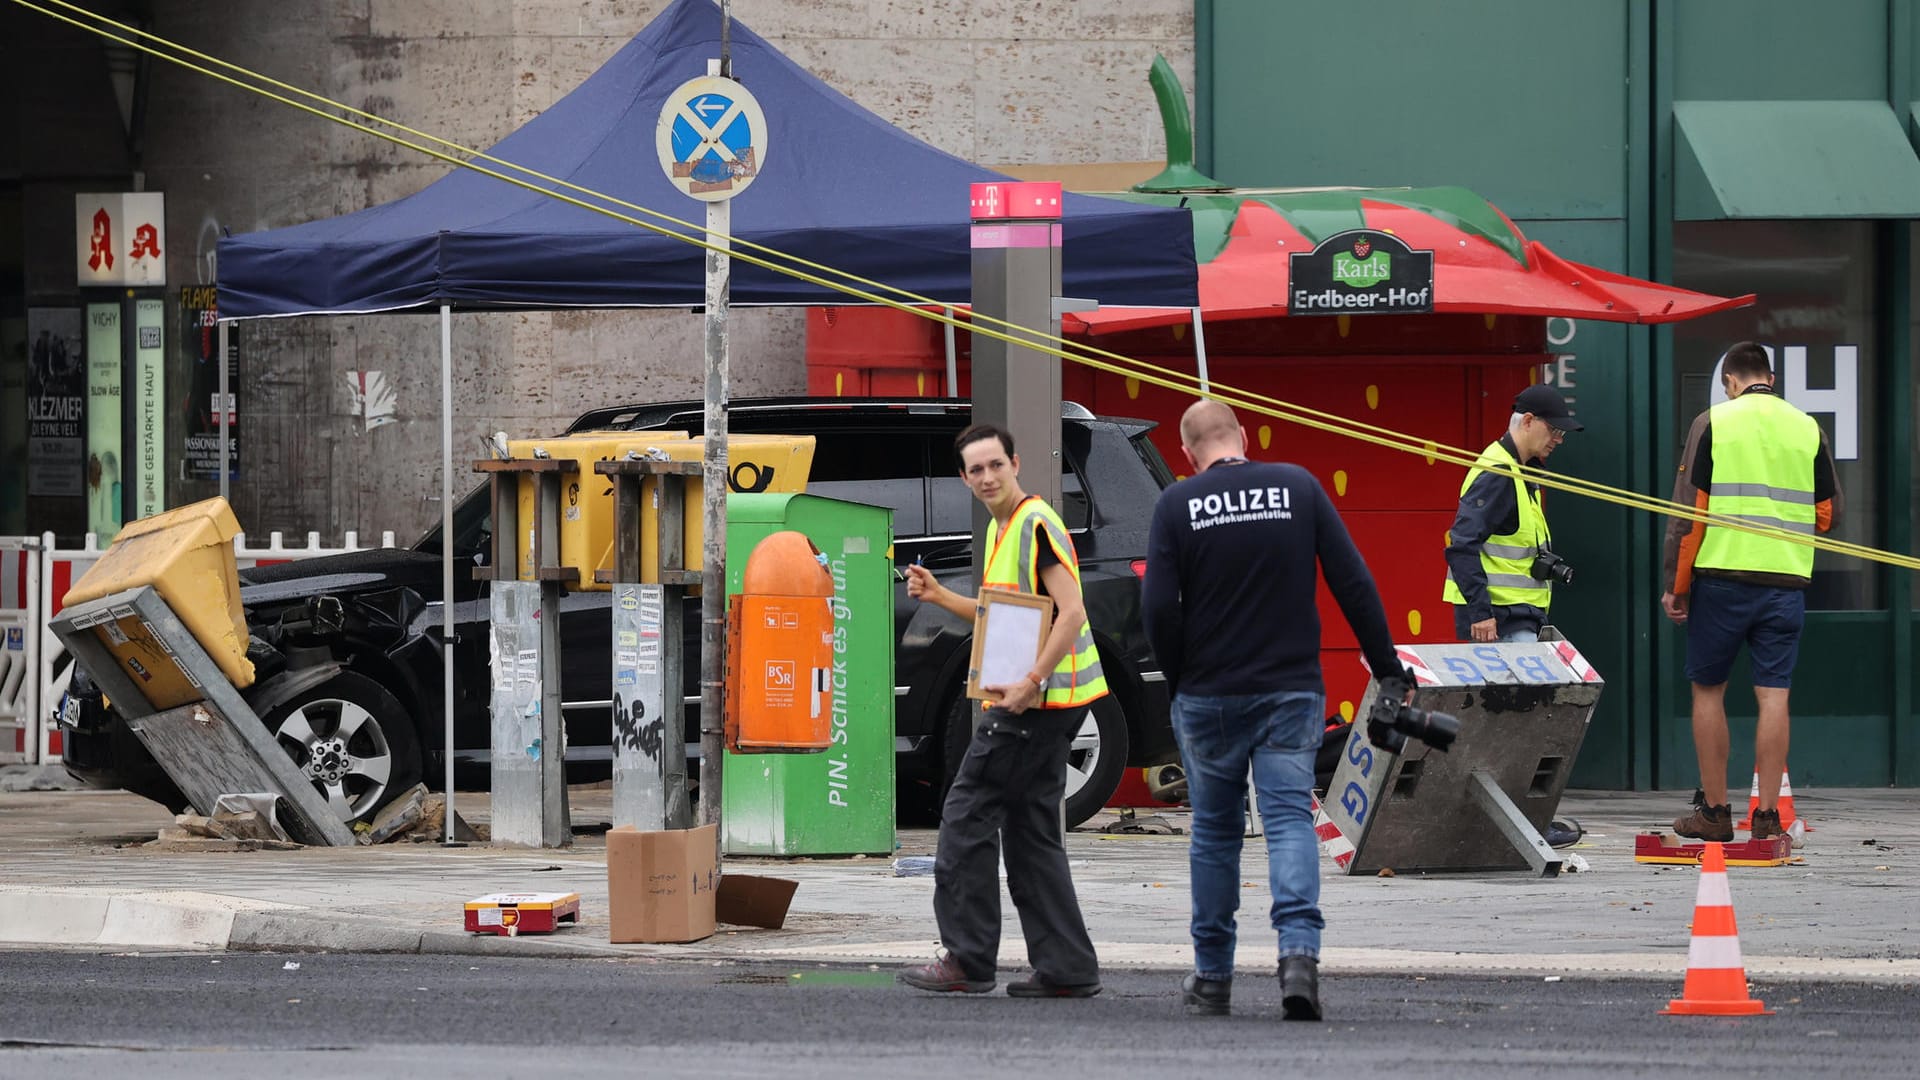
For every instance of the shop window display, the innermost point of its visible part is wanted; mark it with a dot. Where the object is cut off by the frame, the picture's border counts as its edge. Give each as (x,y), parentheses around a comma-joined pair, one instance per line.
(1818,310)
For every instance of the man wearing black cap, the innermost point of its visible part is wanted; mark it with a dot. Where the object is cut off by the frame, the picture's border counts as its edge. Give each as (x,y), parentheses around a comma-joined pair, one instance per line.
(1497,581)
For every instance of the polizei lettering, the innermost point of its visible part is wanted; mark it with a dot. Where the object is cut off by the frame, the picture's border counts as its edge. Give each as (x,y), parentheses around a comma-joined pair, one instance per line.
(1242,504)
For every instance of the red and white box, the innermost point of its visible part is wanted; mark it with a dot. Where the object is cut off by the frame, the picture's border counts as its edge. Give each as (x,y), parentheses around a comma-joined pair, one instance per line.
(512,914)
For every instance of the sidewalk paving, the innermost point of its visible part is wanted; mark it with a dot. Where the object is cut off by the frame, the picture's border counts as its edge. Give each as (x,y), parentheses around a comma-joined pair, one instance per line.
(72,874)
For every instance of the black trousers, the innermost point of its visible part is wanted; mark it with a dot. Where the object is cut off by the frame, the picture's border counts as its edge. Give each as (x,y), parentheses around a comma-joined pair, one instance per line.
(1009,787)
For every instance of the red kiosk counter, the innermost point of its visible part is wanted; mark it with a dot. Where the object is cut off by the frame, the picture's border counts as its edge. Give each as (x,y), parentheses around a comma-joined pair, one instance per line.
(1423,311)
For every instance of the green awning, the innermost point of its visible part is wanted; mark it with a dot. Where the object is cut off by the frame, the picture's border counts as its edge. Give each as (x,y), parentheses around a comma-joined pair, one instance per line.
(1792,159)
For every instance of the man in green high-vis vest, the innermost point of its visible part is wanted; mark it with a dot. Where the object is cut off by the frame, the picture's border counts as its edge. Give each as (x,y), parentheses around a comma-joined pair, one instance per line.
(1757,459)
(1500,561)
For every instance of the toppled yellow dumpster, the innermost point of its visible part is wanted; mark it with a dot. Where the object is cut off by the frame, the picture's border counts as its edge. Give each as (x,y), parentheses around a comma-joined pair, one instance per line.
(186,554)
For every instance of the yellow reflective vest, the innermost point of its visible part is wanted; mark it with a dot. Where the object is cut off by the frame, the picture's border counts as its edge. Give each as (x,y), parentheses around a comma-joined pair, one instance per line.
(1012,563)
(1507,559)
(1764,455)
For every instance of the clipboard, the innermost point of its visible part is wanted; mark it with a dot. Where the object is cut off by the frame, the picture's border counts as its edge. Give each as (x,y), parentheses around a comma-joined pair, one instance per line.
(1009,629)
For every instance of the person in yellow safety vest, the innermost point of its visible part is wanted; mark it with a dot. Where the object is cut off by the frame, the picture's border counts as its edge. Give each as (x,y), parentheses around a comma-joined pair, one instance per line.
(1756,458)
(1014,775)
(1500,565)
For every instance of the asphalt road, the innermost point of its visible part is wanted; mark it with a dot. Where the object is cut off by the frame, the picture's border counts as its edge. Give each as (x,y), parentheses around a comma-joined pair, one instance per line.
(254,1015)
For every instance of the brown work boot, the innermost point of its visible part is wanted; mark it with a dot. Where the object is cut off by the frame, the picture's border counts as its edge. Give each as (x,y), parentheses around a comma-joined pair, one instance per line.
(944,976)
(1766,825)
(1709,823)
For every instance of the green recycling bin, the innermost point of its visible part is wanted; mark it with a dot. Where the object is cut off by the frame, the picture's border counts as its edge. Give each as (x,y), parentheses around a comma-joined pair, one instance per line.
(839,801)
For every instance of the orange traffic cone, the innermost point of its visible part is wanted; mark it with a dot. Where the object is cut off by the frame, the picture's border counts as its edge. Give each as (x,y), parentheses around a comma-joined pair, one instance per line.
(1716,976)
(1785,807)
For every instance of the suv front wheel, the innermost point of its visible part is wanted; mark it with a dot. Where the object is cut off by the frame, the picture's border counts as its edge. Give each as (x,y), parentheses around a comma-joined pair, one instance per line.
(1096,757)
(352,740)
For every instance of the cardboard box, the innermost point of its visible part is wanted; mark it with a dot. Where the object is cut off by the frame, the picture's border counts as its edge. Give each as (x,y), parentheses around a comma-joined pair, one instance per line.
(661,885)
(752,900)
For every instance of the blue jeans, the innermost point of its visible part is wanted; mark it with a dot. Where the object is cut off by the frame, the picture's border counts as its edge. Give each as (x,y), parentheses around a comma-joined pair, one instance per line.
(1278,735)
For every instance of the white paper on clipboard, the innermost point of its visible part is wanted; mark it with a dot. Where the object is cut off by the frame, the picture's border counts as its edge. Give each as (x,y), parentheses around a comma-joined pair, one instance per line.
(1012,643)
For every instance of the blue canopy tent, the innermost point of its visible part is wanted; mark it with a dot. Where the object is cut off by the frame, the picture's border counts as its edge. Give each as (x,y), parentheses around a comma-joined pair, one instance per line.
(837,186)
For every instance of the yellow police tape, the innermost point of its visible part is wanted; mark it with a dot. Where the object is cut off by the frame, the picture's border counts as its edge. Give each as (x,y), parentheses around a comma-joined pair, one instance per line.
(872,291)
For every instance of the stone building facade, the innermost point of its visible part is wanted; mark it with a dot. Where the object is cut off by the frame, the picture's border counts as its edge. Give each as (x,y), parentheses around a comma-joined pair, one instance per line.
(339,419)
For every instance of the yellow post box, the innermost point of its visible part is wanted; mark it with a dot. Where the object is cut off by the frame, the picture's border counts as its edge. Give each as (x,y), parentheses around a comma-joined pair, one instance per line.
(186,555)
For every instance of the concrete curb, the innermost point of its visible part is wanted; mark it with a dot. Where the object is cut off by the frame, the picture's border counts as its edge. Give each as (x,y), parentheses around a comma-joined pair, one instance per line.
(169,921)
(15,778)
(43,918)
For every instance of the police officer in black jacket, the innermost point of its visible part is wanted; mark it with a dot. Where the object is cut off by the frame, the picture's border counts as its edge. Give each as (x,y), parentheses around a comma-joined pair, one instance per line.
(1228,603)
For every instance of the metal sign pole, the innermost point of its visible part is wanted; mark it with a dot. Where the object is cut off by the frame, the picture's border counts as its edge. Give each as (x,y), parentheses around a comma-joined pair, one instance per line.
(713,575)
(712,142)
(446,555)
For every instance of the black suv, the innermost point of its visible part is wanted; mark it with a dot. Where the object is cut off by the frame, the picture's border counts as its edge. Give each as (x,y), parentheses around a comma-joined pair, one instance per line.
(372,727)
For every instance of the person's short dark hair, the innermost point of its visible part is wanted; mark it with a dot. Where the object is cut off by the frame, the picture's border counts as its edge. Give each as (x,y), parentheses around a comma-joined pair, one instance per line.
(1746,360)
(980,432)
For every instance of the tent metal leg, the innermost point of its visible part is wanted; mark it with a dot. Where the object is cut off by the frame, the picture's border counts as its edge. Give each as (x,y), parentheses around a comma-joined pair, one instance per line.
(1200,353)
(953,360)
(226,436)
(446,551)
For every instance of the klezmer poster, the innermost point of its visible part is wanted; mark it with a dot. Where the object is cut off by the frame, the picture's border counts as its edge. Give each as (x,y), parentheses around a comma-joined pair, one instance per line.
(56,403)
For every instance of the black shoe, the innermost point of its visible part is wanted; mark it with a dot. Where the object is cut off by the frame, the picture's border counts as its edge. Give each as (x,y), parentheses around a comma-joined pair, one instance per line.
(1712,823)
(944,976)
(1206,997)
(1300,987)
(1039,986)
(1766,824)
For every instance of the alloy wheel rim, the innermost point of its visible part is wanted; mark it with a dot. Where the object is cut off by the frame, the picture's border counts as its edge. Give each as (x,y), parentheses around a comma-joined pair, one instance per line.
(343,750)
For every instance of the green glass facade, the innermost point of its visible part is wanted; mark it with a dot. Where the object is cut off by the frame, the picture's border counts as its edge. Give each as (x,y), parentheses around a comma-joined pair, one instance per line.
(1729,146)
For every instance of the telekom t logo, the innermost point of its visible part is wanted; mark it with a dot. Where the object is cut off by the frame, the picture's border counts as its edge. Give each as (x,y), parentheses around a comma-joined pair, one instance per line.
(1840,401)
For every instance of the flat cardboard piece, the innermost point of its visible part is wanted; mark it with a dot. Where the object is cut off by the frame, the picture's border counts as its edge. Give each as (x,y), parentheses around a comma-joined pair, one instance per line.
(661,884)
(752,900)
(1009,629)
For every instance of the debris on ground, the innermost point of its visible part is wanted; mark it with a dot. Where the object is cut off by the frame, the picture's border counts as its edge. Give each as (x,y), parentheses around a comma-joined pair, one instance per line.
(1151,825)
(399,816)
(248,816)
(913,866)
(191,832)
(433,824)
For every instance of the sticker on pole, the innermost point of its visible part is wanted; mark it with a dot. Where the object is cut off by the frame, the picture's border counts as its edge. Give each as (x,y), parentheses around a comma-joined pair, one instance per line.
(712,138)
